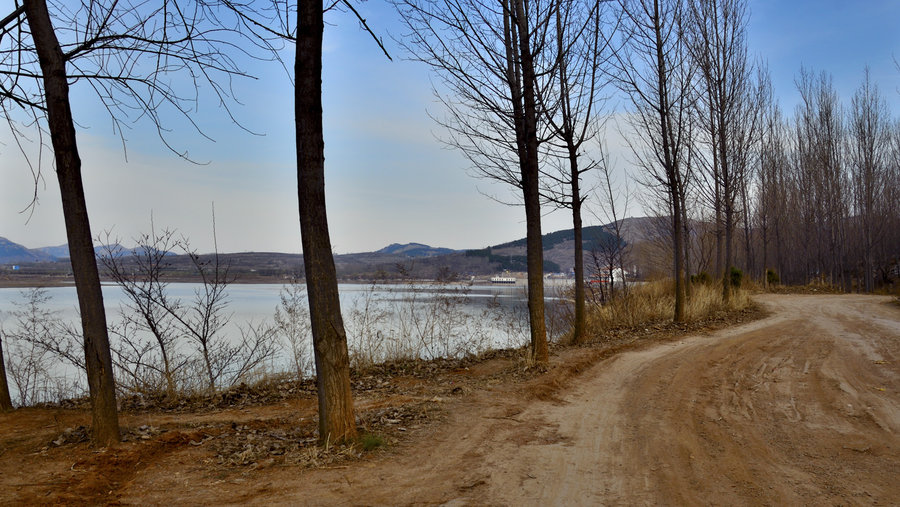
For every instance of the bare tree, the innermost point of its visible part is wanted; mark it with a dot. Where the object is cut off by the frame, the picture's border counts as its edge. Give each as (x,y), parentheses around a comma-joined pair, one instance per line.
(336,417)
(820,177)
(29,357)
(654,72)
(267,24)
(203,319)
(292,323)
(825,208)
(486,55)
(771,179)
(716,31)
(126,51)
(140,274)
(5,400)
(868,149)
(610,251)
(572,109)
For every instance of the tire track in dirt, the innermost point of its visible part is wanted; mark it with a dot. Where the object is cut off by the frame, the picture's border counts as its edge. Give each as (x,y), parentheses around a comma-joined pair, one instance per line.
(800,408)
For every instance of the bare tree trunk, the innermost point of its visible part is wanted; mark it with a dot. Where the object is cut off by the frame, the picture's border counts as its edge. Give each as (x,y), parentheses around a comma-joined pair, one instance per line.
(670,160)
(579,331)
(748,230)
(5,400)
(717,202)
(336,418)
(531,193)
(685,225)
(105,422)
(728,206)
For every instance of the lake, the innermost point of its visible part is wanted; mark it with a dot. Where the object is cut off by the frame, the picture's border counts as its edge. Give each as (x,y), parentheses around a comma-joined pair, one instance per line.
(255,302)
(383,321)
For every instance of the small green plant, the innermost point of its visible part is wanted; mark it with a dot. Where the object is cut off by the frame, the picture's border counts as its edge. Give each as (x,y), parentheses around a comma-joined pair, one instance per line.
(371,441)
(772,277)
(736,277)
(702,278)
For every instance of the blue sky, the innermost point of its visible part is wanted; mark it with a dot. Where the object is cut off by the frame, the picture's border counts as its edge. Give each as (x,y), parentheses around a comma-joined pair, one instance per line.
(388,178)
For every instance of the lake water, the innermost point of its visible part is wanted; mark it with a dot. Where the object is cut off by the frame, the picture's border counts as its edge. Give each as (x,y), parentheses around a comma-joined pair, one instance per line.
(255,302)
(382,320)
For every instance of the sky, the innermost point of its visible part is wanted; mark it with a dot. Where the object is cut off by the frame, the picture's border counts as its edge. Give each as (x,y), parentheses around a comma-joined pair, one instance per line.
(389,178)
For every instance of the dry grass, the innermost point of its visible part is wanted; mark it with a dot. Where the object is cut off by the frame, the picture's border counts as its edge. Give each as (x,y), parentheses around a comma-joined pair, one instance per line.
(653,303)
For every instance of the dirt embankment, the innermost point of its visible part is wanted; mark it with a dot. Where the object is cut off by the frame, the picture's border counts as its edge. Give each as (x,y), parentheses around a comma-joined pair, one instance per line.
(802,407)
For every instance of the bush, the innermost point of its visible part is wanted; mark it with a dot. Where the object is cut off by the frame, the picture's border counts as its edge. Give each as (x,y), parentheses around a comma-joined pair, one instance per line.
(702,278)
(772,277)
(370,441)
(736,277)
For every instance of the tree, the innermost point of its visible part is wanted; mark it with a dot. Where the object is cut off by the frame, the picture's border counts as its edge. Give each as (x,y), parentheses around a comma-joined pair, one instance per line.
(868,147)
(336,416)
(139,273)
(30,359)
(486,56)
(716,32)
(5,400)
(336,419)
(127,52)
(105,425)
(610,250)
(572,108)
(292,324)
(771,178)
(652,69)
(820,178)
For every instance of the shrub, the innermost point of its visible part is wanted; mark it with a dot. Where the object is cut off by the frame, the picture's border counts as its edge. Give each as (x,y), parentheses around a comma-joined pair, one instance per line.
(772,277)
(371,441)
(736,277)
(702,278)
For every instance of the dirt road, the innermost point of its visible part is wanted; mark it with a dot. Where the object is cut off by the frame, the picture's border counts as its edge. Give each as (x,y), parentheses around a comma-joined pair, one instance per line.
(799,408)
(802,407)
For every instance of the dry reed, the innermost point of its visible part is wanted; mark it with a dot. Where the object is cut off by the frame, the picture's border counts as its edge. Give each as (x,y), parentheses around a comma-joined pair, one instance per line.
(653,303)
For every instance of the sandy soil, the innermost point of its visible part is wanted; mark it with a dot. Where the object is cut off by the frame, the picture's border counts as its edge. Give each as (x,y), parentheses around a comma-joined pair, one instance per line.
(799,408)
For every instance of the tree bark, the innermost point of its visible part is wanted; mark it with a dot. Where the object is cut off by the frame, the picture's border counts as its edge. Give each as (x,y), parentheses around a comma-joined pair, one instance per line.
(531,193)
(336,417)
(579,328)
(670,160)
(5,400)
(686,228)
(105,422)
(727,202)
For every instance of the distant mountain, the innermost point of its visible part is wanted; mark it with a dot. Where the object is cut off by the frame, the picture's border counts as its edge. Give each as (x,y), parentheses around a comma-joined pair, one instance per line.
(414,250)
(559,246)
(56,252)
(393,261)
(61,252)
(590,235)
(14,253)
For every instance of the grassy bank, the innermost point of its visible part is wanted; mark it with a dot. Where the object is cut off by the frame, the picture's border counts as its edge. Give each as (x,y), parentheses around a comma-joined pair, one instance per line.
(653,303)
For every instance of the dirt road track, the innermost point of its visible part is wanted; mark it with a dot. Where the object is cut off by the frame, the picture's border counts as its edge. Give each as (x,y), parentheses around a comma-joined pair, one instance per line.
(801,408)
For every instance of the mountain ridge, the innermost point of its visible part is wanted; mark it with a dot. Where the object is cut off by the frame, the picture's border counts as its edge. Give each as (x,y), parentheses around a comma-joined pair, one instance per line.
(392,261)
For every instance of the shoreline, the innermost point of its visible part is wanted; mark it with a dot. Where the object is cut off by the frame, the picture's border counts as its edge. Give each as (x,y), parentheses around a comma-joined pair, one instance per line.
(46,281)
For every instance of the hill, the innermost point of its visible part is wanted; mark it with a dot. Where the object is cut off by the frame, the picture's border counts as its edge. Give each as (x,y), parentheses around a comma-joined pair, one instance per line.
(415,260)
(14,253)
(414,250)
